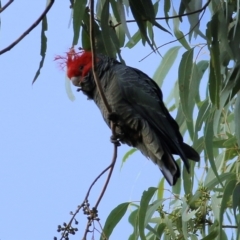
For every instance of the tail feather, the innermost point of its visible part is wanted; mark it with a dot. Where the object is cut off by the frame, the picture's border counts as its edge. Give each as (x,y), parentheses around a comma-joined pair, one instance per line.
(169,168)
(190,152)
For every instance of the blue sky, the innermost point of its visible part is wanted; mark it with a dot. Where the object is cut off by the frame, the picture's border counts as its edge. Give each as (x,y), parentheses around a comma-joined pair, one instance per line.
(51,148)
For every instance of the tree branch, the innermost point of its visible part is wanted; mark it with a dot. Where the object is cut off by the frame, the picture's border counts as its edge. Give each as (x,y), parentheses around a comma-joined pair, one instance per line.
(176,39)
(94,69)
(29,29)
(171,17)
(6,5)
(92,213)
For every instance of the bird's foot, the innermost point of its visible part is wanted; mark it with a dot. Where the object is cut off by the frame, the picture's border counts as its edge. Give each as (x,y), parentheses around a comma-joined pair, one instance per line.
(115,139)
(114,117)
(79,89)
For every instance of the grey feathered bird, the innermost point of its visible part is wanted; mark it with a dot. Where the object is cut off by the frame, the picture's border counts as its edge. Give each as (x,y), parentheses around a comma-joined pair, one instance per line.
(143,120)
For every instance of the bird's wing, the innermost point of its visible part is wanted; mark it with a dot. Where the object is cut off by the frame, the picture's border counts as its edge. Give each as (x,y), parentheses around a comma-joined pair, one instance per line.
(143,94)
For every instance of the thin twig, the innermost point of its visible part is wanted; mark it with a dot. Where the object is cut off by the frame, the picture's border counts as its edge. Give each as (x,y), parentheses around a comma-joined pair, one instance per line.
(29,29)
(108,108)
(111,167)
(177,38)
(94,68)
(110,171)
(171,17)
(229,226)
(6,5)
(86,197)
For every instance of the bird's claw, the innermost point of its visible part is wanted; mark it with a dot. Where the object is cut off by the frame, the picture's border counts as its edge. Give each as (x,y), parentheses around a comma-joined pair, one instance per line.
(115,139)
(114,117)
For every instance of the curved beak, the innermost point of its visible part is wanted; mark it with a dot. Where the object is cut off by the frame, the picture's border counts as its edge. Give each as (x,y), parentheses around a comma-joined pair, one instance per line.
(76,81)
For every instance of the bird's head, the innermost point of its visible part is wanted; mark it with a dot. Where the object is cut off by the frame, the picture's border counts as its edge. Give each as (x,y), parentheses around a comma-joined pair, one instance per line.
(78,65)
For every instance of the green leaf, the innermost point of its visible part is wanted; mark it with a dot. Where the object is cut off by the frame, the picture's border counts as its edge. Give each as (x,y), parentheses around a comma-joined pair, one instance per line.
(190,126)
(108,44)
(182,7)
(199,70)
(123,19)
(133,220)
(184,78)
(127,155)
(210,174)
(137,12)
(230,142)
(216,121)
(230,154)
(152,232)
(180,118)
(234,40)
(212,235)
(114,5)
(215,72)
(237,118)
(167,6)
(151,33)
(147,9)
(214,87)
(218,143)
(160,230)
(208,139)
(43,47)
(99,45)
(160,189)
(228,190)
(222,177)
(178,34)
(113,219)
(151,209)
(134,40)
(202,115)
(99,7)
(78,14)
(114,38)
(186,215)
(187,181)
(169,226)
(146,197)
(120,34)
(236,202)
(216,202)
(165,65)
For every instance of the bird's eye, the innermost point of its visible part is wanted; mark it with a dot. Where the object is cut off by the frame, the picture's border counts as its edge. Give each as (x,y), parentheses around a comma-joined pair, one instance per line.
(81,68)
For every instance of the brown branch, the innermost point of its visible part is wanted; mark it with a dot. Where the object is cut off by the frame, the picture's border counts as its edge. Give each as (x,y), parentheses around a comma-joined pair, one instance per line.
(6,5)
(108,108)
(111,167)
(92,216)
(85,199)
(29,29)
(94,68)
(110,171)
(229,226)
(171,17)
(223,226)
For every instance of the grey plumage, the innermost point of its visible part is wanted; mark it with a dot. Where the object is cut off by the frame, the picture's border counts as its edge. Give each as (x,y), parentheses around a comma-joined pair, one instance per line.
(146,123)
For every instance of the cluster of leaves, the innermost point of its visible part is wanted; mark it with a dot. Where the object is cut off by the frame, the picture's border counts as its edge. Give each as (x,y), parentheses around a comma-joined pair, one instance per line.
(198,207)
(205,207)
